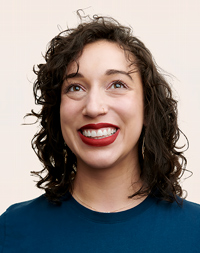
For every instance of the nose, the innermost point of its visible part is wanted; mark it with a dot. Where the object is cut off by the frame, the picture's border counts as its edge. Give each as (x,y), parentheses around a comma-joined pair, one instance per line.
(95,104)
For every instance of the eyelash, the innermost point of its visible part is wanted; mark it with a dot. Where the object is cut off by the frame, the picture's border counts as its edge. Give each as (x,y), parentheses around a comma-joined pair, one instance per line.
(118,82)
(73,85)
(113,83)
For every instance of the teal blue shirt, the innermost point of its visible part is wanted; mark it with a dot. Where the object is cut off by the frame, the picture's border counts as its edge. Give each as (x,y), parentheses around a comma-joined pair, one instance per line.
(39,226)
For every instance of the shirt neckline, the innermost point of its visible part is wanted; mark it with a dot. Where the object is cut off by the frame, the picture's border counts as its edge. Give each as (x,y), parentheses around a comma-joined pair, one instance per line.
(117,217)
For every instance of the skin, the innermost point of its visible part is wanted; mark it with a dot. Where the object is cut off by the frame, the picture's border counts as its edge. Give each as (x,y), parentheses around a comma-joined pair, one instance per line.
(106,175)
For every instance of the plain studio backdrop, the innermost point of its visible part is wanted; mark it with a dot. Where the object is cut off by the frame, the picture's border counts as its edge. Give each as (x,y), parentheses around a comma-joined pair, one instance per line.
(170,29)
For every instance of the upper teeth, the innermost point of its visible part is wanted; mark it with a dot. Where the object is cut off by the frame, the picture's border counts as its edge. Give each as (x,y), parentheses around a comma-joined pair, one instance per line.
(99,133)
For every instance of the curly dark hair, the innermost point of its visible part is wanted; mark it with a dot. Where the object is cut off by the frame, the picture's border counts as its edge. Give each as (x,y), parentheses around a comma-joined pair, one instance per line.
(163,163)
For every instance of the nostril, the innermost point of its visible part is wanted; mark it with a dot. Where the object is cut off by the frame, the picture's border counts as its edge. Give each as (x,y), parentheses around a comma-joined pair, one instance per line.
(93,110)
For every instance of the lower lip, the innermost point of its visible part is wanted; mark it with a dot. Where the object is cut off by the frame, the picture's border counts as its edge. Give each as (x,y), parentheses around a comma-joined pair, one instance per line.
(99,142)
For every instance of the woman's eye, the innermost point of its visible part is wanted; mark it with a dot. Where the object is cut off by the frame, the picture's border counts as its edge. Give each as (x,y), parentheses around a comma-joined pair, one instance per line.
(74,91)
(74,88)
(117,85)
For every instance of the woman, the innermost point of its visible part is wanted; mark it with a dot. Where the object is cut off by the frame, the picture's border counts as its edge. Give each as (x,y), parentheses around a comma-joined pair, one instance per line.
(108,143)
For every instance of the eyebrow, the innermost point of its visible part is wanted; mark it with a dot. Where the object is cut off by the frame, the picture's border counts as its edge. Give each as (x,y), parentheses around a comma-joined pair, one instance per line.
(115,71)
(76,74)
(108,73)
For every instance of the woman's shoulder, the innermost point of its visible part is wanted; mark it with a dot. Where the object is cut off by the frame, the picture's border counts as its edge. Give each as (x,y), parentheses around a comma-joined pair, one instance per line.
(191,209)
(25,205)
(18,215)
(188,205)
(183,212)
(20,211)
(181,206)
(36,209)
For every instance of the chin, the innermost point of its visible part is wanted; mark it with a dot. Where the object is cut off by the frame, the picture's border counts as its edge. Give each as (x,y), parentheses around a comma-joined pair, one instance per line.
(98,162)
(107,163)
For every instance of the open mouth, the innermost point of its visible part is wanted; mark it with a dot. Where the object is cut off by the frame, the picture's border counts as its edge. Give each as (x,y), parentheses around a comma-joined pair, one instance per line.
(101,134)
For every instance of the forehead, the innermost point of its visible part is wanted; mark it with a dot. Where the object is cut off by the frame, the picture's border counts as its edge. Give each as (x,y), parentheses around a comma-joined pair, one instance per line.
(102,55)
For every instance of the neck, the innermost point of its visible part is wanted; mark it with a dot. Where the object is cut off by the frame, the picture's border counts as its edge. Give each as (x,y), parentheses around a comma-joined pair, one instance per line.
(107,190)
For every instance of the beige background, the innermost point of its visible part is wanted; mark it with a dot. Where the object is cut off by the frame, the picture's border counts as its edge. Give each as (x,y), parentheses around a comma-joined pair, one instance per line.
(170,29)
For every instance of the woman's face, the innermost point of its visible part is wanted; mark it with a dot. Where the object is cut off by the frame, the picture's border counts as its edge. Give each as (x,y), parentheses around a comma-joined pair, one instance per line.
(101,109)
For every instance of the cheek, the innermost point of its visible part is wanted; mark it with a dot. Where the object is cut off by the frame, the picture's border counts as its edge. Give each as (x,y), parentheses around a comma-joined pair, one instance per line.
(131,108)
(67,115)
(68,111)
(66,121)
(133,120)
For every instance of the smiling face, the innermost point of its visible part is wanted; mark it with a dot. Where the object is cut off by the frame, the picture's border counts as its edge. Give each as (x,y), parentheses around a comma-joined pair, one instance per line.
(101,109)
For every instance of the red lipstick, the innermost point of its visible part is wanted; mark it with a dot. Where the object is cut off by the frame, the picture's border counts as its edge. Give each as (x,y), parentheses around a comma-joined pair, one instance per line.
(97,126)
(98,142)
